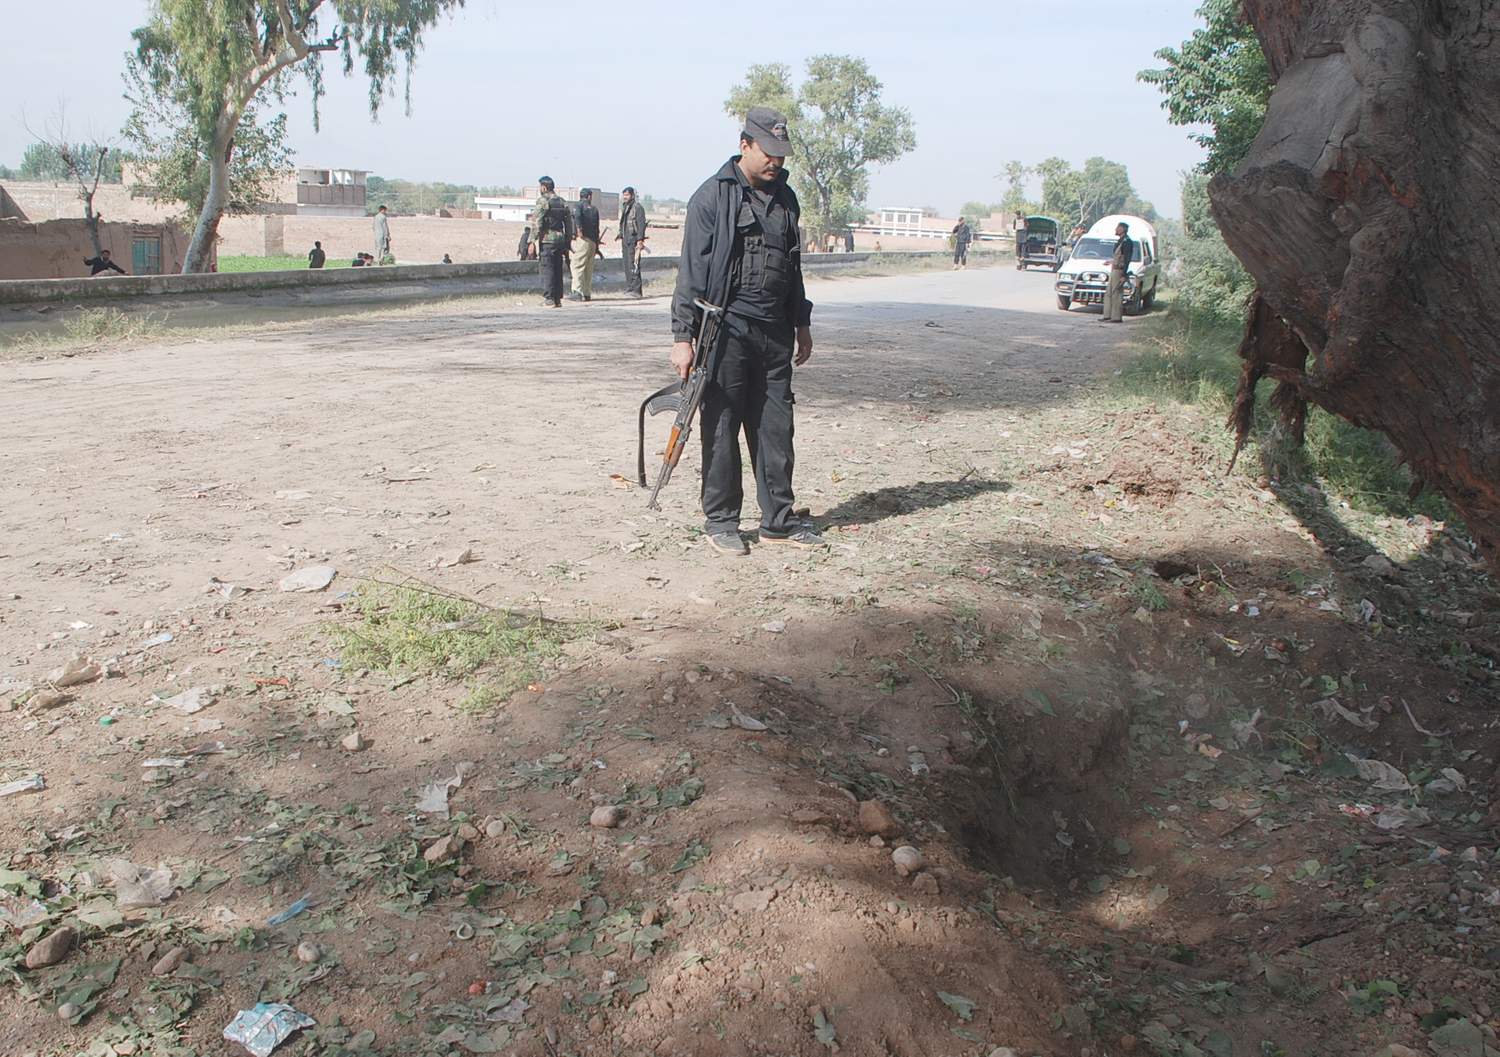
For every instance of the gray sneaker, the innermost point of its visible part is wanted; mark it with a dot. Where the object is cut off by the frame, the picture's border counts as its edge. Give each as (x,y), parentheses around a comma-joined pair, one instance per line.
(728,542)
(801,537)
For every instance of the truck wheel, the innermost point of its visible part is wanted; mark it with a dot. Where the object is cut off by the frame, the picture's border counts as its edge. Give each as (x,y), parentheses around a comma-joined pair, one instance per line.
(1064,303)
(1150,299)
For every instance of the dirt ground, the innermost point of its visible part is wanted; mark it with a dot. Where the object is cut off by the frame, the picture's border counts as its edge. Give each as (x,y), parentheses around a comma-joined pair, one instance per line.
(1190,764)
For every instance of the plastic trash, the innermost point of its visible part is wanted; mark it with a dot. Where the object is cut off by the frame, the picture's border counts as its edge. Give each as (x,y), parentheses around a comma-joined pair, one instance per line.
(290,912)
(265,1027)
(34,783)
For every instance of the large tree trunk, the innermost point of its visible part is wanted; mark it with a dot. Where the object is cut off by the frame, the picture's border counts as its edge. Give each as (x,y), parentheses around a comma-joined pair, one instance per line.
(200,249)
(1368,211)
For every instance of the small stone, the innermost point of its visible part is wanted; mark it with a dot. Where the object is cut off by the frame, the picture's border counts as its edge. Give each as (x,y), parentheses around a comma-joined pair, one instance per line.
(309,953)
(443,849)
(478,987)
(607,816)
(1397,1050)
(51,948)
(877,842)
(650,916)
(907,860)
(495,827)
(925,884)
(1380,565)
(355,742)
(1127,1043)
(467,832)
(69,1011)
(754,901)
(1003,1051)
(167,964)
(876,818)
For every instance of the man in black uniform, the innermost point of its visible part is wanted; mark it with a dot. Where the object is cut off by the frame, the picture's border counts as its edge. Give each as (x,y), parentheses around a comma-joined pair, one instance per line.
(581,263)
(315,256)
(740,249)
(632,235)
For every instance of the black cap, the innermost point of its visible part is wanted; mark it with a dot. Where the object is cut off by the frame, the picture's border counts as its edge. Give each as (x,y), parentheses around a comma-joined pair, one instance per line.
(628,191)
(587,192)
(546,181)
(768,129)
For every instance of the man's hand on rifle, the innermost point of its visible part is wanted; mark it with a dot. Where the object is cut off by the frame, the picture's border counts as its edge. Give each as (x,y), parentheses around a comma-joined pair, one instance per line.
(804,345)
(682,358)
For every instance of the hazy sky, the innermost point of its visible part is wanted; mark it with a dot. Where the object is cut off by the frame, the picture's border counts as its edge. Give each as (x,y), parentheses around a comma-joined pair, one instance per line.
(614,94)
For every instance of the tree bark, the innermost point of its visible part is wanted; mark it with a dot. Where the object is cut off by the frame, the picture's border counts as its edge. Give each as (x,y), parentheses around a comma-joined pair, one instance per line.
(206,231)
(1368,211)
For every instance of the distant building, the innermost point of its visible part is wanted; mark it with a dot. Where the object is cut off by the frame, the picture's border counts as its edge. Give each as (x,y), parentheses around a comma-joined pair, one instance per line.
(909,221)
(325,192)
(512,208)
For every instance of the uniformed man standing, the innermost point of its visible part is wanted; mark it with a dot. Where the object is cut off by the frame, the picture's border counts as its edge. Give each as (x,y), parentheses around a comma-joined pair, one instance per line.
(552,224)
(581,263)
(1119,267)
(962,236)
(1018,227)
(740,250)
(632,236)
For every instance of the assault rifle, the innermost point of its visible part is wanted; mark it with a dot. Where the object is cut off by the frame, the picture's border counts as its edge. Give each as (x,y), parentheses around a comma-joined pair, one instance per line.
(682,397)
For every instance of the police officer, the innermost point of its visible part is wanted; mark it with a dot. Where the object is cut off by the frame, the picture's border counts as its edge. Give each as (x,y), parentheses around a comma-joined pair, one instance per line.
(632,238)
(1119,267)
(552,223)
(581,263)
(740,250)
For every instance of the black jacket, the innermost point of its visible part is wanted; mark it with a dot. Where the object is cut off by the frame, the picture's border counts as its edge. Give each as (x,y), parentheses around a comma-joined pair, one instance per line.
(586,220)
(708,249)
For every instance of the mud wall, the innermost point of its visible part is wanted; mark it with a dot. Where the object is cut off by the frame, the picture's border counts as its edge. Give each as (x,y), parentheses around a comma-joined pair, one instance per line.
(56,249)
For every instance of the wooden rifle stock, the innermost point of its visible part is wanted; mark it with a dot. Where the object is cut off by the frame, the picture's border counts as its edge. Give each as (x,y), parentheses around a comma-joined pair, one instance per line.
(682,397)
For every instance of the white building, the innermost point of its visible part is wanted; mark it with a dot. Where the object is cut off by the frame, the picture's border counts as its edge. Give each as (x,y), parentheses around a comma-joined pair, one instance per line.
(505,207)
(326,192)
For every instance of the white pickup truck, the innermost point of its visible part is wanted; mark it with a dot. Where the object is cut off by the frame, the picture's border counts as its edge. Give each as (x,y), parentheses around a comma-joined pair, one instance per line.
(1081,281)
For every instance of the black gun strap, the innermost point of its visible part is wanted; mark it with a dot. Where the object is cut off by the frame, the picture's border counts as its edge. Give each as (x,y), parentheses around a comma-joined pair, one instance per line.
(640,451)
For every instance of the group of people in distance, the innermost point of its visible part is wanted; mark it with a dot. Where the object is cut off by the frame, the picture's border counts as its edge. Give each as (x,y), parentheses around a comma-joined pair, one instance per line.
(557,232)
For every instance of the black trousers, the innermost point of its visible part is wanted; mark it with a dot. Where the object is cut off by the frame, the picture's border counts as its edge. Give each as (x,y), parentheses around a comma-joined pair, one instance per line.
(632,266)
(551,257)
(751,391)
(960,253)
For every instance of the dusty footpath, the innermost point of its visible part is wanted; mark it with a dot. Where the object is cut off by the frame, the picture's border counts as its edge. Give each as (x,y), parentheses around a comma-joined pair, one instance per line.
(1066,745)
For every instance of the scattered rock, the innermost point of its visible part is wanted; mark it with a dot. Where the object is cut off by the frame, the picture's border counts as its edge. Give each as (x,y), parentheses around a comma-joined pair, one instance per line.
(607,816)
(449,561)
(650,916)
(1380,565)
(495,827)
(907,860)
(468,833)
(189,701)
(1397,1050)
(167,964)
(45,699)
(76,672)
(443,849)
(925,884)
(355,742)
(51,948)
(876,818)
(754,901)
(313,578)
(877,841)
(775,627)
(69,1011)
(309,953)
(1003,1051)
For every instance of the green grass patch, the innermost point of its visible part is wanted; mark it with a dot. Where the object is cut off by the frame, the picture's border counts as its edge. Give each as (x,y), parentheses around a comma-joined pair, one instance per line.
(282,262)
(417,631)
(89,328)
(1190,358)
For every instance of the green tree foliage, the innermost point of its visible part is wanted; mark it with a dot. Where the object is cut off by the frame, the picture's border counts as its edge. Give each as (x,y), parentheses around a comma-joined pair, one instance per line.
(1083,196)
(1217,78)
(1209,280)
(170,158)
(214,61)
(47,161)
(975,213)
(839,128)
(1015,198)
